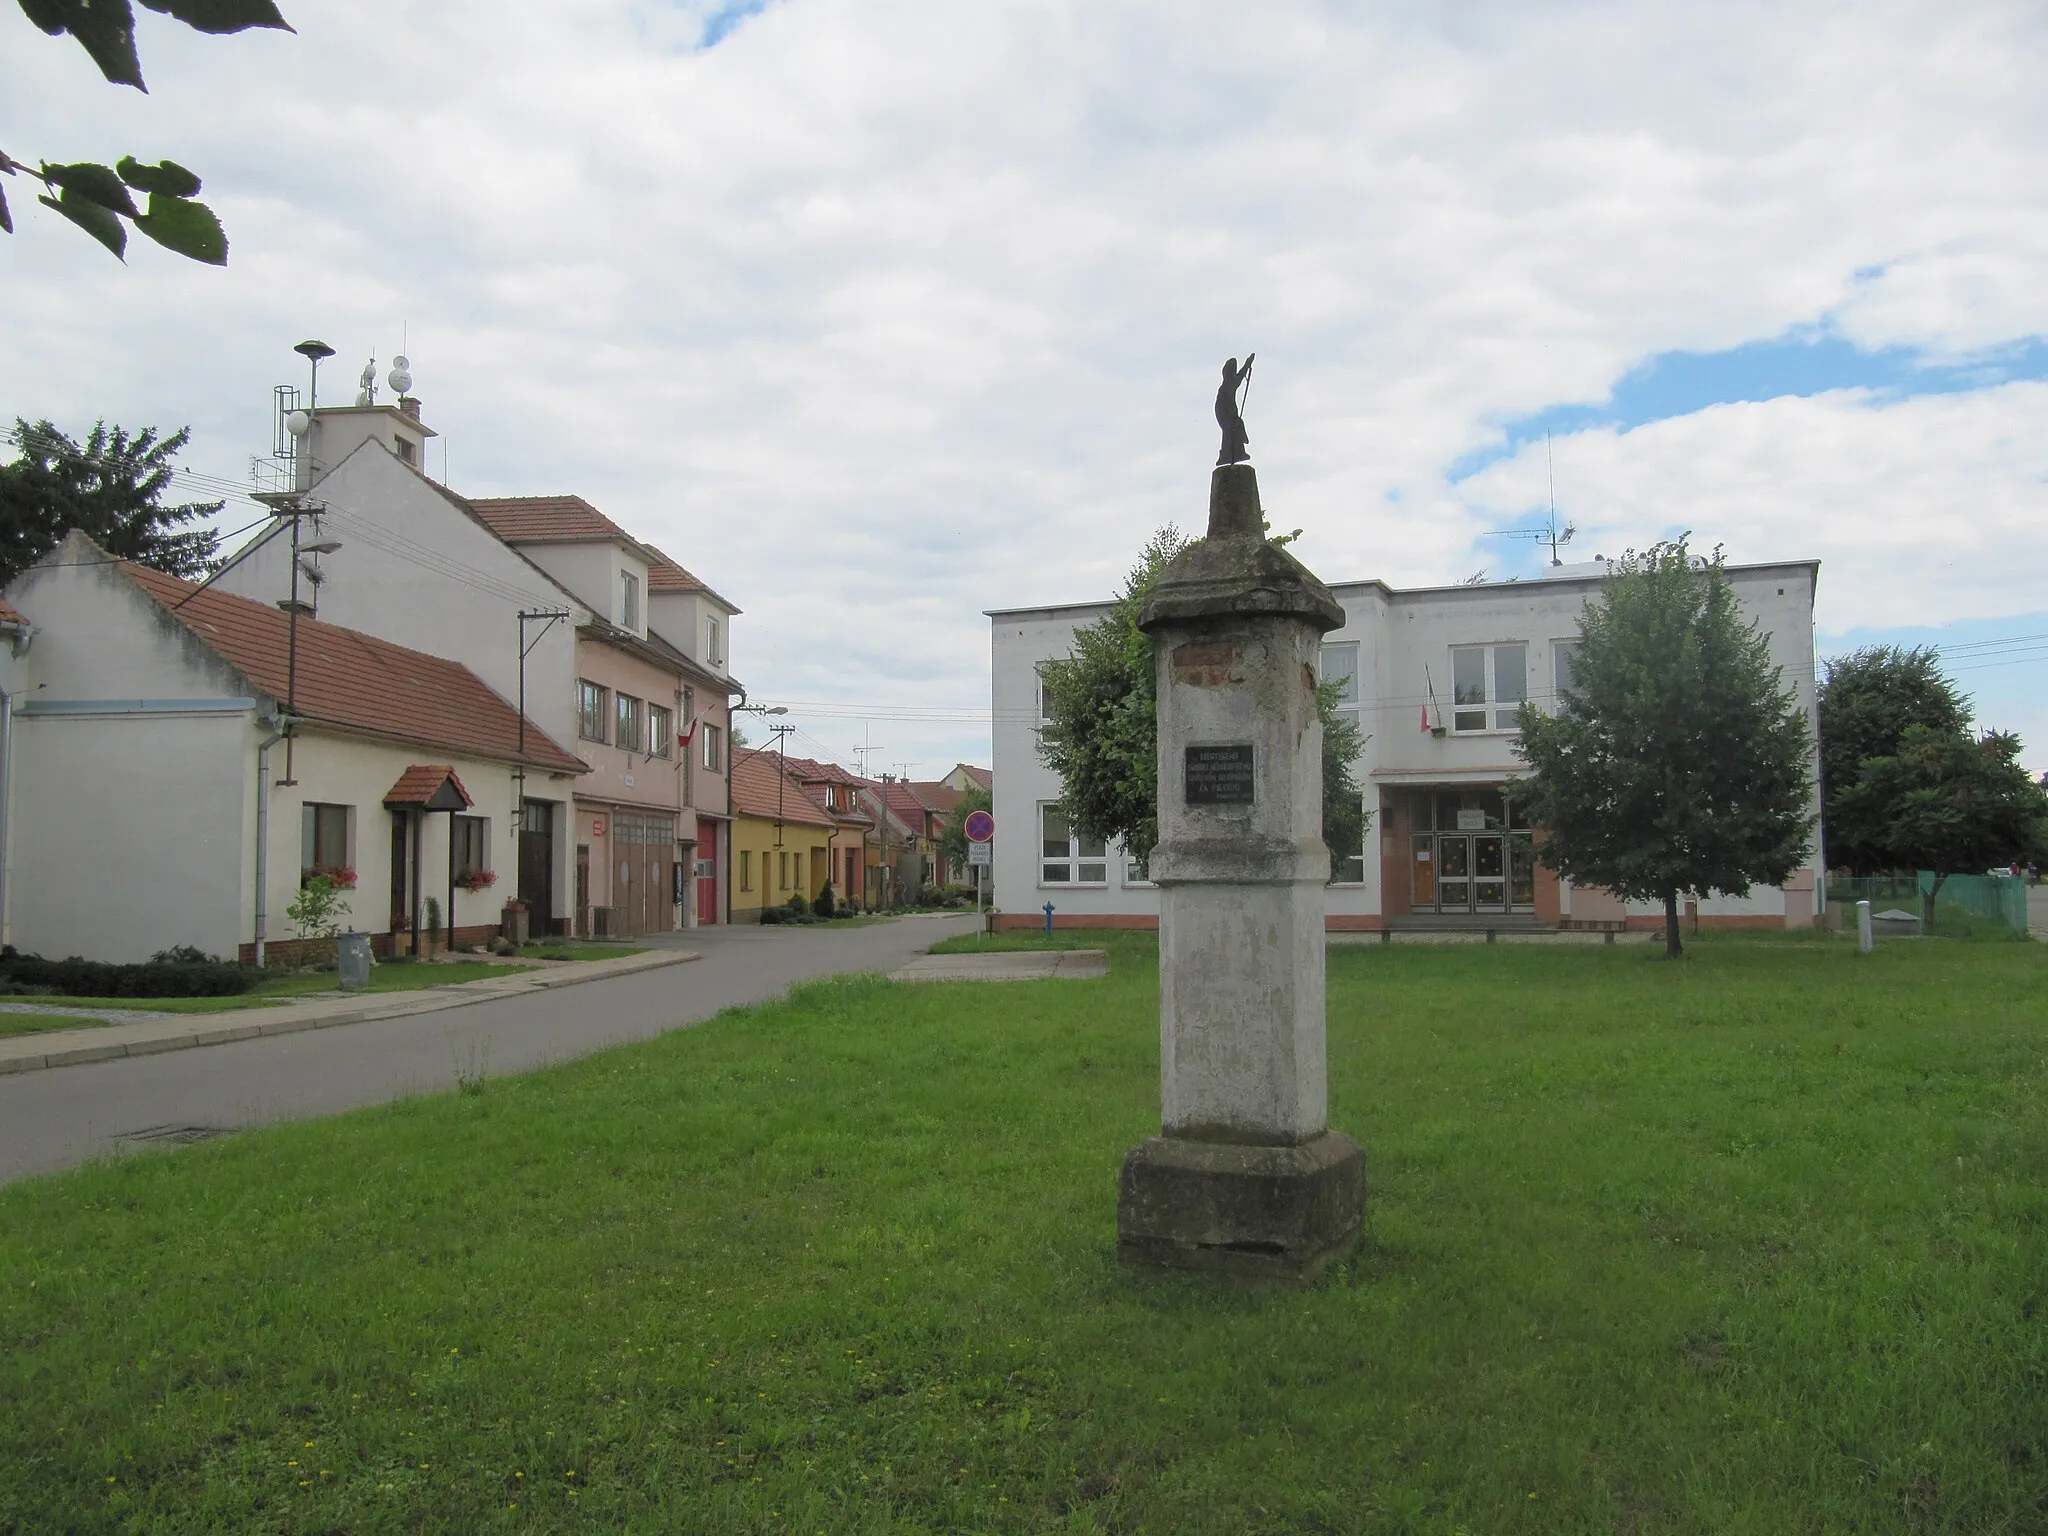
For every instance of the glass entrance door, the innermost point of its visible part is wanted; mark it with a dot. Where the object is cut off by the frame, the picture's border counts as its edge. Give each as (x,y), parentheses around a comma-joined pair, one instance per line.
(1489,874)
(1472,853)
(1454,874)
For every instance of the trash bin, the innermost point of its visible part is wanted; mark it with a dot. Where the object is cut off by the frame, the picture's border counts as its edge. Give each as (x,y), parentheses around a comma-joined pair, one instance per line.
(354,960)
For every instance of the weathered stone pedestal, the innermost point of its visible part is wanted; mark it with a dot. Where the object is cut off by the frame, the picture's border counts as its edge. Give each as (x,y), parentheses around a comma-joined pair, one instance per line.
(1246,1177)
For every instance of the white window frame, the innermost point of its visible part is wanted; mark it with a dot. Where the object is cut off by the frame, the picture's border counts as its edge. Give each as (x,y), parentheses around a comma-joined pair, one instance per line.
(586,693)
(714,641)
(1492,710)
(660,729)
(1345,651)
(1136,874)
(1562,653)
(629,601)
(482,825)
(1338,861)
(310,812)
(1075,861)
(629,720)
(712,736)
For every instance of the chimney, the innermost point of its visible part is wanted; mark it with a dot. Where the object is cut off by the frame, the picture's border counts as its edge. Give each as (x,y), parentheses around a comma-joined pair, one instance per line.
(409,405)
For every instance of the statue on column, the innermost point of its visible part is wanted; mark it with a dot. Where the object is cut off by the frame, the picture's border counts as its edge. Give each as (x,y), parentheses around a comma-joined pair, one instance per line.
(1237,382)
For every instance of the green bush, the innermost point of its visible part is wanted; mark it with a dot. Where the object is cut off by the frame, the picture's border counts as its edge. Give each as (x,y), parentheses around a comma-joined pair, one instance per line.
(822,907)
(771,916)
(798,907)
(77,977)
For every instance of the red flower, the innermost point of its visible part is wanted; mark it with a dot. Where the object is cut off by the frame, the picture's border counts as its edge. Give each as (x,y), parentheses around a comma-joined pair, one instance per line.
(341,875)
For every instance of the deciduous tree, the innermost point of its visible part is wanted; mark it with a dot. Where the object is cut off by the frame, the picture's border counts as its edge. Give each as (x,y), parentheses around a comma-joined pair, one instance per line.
(1868,700)
(1947,803)
(1677,759)
(99,198)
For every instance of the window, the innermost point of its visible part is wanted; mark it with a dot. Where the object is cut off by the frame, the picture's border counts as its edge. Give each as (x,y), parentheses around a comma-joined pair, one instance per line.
(746,869)
(628,712)
(405,451)
(1564,658)
(629,600)
(660,731)
(472,850)
(713,746)
(714,642)
(1347,865)
(1067,859)
(1340,666)
(590,707)
(323,840)
(782,871)
(1488,674)
(797,861)
(1137,871)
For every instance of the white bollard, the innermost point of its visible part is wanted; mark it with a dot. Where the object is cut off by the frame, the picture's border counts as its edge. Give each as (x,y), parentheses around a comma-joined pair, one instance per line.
(1863,927)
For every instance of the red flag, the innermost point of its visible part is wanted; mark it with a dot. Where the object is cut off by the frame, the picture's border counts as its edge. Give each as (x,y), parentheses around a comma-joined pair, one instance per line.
(1425,719)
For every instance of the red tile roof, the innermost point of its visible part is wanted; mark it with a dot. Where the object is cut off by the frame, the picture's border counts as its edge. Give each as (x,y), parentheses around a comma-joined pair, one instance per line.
(539,519)
(517,518)
(664,575)
(354,681)
(761,790)
(422,781)
(812,771)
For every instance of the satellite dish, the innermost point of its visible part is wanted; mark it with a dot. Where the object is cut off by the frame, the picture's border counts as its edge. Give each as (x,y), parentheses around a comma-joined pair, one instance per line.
(400,377)
(298,423)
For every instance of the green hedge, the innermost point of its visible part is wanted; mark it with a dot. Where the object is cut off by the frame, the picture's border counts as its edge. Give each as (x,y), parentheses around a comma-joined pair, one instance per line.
(162,977)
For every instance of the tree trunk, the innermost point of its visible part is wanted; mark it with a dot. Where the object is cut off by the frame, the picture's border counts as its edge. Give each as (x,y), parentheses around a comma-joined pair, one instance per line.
(1673,949)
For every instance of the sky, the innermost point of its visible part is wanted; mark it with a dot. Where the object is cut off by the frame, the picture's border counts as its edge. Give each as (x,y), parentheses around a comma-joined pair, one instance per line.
(880,315)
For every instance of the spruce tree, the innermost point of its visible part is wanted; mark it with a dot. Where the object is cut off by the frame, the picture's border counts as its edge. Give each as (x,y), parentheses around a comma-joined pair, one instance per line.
(111,486)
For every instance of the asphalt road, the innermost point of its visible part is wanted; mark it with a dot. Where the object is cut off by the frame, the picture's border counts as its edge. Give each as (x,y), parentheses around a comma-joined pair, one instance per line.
(67,1115)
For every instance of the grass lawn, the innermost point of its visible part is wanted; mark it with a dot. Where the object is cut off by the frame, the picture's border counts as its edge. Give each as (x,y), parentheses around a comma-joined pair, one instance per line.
(41,1023)
(577,949)
(284,988)
(1757,1242)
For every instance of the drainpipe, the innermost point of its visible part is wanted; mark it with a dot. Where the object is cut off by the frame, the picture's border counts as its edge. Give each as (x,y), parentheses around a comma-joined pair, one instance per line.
(6,795)
(263,834)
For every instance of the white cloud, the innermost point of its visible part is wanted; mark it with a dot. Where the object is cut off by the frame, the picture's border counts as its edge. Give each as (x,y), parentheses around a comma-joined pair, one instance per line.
(881,313)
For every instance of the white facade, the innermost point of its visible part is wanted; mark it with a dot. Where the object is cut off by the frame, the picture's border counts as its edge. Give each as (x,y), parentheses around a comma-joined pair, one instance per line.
(417,569)
(1409,650)
(135,791)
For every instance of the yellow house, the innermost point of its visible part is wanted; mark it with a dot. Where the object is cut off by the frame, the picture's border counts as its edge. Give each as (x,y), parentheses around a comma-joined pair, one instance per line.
(781,838)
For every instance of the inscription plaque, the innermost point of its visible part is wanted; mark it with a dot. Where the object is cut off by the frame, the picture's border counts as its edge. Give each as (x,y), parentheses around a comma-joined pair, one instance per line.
(1219,775)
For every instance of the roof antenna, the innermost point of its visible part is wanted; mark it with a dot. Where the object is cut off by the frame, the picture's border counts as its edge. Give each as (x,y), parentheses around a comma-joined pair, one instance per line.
(1549,534)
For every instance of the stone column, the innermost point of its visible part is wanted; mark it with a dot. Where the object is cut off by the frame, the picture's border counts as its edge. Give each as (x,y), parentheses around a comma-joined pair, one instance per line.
(1246,1176)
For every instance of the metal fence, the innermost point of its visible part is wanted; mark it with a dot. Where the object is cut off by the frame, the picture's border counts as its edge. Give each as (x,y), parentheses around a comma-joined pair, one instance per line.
(1982,900)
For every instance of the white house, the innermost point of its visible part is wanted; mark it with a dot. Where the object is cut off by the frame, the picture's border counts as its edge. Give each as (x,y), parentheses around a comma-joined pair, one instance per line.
(1434,676)
(634,672)
(153,797)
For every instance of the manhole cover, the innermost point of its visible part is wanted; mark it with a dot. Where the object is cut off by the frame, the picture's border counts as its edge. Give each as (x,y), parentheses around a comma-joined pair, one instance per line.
(179,1134)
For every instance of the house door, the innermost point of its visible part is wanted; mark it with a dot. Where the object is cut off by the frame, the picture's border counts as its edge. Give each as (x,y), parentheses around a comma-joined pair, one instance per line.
(537,865)
(707,872)
(401,871)
(583,889)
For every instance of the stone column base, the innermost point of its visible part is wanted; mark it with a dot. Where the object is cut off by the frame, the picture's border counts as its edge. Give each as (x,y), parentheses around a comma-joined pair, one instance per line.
(1280,1213)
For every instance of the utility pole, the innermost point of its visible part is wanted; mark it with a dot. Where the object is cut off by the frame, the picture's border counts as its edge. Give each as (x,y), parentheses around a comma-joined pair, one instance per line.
(781,731)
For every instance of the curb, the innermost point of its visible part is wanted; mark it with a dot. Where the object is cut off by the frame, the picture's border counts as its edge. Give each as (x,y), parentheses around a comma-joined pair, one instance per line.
(250,1025)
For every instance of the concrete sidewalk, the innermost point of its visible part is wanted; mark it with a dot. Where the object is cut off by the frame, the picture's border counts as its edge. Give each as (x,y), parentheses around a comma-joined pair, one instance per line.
(152,1033)
(2037,912)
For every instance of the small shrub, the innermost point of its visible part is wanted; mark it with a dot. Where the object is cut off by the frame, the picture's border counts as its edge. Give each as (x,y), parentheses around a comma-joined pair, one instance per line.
(798,907)
(184,954)
(823,906)
(774,916)
(74,976)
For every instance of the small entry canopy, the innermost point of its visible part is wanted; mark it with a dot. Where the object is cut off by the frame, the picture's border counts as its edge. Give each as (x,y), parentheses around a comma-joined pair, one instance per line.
(428,787)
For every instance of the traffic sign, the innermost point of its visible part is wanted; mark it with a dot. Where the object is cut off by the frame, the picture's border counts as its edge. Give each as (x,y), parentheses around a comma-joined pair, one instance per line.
(979,855)
(981,827)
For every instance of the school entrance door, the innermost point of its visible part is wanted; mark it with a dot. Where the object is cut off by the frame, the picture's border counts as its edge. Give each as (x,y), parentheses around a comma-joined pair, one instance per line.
(1469,856)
